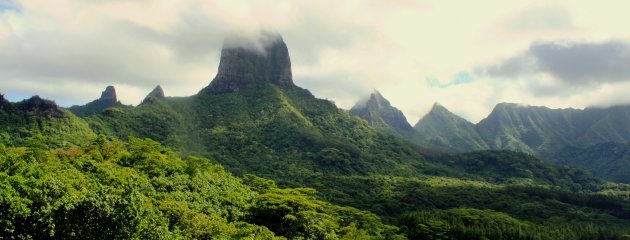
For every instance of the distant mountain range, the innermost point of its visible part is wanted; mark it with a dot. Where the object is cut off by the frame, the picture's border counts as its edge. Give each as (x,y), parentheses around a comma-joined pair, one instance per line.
(552,134)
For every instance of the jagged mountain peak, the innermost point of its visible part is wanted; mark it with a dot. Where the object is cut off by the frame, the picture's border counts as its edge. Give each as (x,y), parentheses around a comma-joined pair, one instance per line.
(443,129)
(380,113)
(155,94)
(438,108)
(377,98)
(248,61)
(441,114)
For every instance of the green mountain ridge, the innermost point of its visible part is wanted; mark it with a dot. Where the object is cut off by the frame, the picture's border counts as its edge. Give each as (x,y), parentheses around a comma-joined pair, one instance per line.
(536,130)
(269,127)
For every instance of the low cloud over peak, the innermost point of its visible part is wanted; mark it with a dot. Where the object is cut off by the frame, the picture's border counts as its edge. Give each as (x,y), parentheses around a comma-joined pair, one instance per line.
(256,41)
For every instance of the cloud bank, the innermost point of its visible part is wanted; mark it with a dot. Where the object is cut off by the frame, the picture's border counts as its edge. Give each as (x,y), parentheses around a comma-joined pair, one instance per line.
(572,65)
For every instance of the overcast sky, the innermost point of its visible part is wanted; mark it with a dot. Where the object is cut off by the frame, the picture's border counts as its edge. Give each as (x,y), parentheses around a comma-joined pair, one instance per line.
(466,55)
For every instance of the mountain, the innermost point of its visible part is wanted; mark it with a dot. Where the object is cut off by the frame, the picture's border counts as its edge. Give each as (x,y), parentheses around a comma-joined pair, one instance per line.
(380,114)
(557,135)
(108,99)
(444,130)
(332,175)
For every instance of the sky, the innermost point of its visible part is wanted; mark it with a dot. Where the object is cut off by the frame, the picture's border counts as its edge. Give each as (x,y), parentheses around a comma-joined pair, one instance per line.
(466,55)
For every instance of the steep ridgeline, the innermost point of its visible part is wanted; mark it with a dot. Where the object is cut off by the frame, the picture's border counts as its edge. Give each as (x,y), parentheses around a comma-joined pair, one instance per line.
(108,99)
(531,129)
(540,131)
(443,129)
(543,130)
(380,114)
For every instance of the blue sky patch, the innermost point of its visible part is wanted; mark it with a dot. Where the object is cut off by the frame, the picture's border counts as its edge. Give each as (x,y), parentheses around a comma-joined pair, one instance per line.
(9,6)
(458,79)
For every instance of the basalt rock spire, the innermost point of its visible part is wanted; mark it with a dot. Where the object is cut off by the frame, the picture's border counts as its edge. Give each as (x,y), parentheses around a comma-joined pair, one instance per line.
(249,61)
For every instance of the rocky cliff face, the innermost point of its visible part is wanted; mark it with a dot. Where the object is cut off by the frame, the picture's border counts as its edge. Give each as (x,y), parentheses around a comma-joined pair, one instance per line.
(381,114)
(246,62)
(108,96)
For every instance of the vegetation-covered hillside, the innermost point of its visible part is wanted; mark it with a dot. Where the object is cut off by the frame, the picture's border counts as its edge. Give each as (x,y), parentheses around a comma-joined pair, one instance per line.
(42,120)
(110,189)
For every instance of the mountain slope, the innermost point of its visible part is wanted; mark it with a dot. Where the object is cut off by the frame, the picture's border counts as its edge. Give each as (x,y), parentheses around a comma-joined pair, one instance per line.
(611,125)
(524,128)
(608,160)
(442,129)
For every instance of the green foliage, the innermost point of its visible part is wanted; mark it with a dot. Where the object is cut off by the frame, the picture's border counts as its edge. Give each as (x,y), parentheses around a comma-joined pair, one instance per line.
(463,223)
(139,189)
(505,166)
(606,160)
